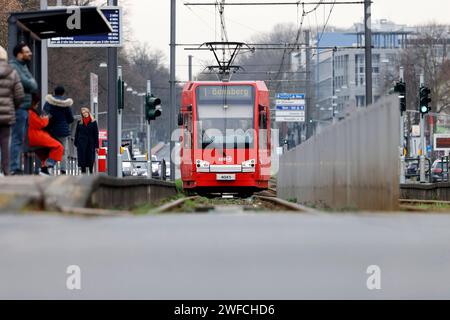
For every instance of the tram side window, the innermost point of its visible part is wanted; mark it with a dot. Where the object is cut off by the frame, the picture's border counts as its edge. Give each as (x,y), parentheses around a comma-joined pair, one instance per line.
(262,131)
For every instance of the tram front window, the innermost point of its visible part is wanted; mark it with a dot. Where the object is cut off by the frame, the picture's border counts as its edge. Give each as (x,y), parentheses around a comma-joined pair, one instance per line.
(225,117)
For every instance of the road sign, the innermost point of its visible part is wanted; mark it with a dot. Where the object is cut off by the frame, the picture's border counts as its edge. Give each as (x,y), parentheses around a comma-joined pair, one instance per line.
(280,113)
(290,107)
(442,142)
(293,102)
(289,119)
(114,16)
(290,96)
(102,134)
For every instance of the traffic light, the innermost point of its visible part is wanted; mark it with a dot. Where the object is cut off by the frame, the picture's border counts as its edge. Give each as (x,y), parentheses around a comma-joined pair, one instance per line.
(152,107)
(425,100)
(400,87)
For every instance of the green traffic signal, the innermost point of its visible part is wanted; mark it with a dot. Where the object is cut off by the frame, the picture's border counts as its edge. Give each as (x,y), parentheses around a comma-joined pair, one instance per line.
(152,107)
(425,100)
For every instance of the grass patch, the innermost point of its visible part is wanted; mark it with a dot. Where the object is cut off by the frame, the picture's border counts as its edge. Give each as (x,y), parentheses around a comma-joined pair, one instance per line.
(179,185)
(434,206)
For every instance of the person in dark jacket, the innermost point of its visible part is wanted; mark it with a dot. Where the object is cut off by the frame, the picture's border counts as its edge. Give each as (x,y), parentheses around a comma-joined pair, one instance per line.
(86,140)
(11,96)
(22,55)
(59,109)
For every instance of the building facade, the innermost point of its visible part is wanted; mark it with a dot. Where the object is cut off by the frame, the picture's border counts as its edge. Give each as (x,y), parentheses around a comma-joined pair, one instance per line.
(340,67)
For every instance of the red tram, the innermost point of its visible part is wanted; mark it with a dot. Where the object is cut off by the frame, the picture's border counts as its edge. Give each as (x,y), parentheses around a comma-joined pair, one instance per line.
(225,137)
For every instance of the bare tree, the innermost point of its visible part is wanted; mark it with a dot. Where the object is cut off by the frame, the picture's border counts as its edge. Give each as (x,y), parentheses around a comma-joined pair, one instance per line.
(428,53)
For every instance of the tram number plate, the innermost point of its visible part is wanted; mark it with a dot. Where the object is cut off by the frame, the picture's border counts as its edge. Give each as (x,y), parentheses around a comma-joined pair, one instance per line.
(226,177)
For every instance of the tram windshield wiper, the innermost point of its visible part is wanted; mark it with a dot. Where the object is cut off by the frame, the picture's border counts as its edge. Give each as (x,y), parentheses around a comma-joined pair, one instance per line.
(206,140)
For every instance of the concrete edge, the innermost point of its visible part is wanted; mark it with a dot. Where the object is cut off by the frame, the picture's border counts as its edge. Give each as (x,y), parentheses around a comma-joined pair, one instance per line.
(104,180)
(94,212)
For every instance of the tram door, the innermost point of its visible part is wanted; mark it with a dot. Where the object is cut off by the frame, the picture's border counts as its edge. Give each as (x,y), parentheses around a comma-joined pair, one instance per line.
(187,149)
(264,142)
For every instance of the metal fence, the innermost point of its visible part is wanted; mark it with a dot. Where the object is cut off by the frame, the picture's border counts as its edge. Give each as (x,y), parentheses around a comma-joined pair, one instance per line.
(435,125)
(351,164)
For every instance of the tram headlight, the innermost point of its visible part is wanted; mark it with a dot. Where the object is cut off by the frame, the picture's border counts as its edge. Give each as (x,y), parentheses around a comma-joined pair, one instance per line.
(249,166)
(202,166)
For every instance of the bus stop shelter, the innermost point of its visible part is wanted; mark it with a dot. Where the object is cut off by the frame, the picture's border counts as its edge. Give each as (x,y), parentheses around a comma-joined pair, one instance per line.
(34,27)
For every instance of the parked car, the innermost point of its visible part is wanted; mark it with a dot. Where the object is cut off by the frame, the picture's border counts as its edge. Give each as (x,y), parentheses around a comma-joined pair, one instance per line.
(156,167)
(412,169)
(140,167)
(127,167)
(439,171)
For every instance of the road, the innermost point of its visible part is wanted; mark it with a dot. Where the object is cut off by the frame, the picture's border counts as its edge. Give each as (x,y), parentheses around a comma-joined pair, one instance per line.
(226,256)
(164,153)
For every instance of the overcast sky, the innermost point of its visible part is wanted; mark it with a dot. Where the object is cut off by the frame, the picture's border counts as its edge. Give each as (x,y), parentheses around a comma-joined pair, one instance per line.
(150,21)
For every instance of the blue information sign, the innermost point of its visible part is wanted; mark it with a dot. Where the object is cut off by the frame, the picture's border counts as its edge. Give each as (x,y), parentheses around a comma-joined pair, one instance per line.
(288,96)
(291,108)
(114,39)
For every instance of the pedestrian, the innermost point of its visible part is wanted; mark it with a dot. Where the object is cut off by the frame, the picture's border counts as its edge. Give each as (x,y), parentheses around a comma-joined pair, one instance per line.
(22,54)
(61,116)
(50,150)
(86,140)
(11,97)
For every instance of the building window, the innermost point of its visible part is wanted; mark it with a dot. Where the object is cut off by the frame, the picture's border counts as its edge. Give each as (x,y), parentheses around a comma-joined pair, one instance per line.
(360,101)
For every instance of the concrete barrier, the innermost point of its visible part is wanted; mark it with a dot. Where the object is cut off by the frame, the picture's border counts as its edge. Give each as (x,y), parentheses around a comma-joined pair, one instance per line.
(128,193)
(351,164)
(98,191)
(426,191)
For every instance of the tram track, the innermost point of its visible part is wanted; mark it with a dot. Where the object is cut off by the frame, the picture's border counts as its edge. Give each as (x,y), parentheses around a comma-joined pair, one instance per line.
(266,202)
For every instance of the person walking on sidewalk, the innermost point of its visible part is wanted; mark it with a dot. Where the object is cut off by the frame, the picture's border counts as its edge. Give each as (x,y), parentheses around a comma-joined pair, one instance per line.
(11,96)
(22,55)
(50,150)
(59,109)
(86,140)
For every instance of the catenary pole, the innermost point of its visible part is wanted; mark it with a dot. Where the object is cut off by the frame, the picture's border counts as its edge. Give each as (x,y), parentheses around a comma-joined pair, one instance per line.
(172,102)
(368,49)
(113,143)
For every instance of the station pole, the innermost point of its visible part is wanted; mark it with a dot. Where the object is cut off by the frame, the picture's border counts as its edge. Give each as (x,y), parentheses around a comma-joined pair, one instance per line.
(172,102)
(368,49)
(119,131)
(309,109)
(113,143)
(402,134)
(422,139)
(190,67)
(149,138)
(44,60)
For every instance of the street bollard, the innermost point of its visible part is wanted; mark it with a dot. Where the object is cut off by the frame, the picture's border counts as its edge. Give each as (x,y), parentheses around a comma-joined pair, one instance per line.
(402,170)
(422,169)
